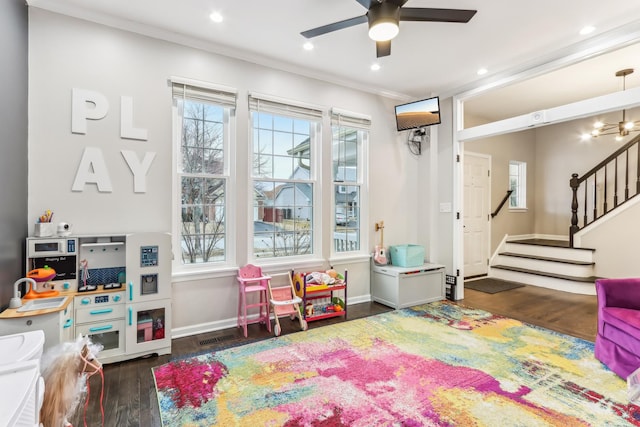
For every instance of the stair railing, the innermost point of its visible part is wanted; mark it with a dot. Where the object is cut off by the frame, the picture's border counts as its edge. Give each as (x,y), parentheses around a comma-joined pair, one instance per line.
(506,197)
(602,180)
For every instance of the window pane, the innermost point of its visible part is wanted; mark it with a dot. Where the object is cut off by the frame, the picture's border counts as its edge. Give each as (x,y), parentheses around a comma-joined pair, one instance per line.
(302,128)
(202,182)
(284,167)
(282,143)
(203,219)
(518,184)
(262,141)
(263,120)
(346,175)
(283,214)
(284,124)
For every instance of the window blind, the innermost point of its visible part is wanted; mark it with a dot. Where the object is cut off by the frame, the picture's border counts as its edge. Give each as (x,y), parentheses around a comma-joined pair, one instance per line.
(203,91)
(284,107)
(348,118)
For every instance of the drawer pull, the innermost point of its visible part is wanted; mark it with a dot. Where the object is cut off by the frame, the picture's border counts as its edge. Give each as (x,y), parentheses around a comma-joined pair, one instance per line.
(130,316)
(101,328)
(102,311)
(130,291)
(68,323)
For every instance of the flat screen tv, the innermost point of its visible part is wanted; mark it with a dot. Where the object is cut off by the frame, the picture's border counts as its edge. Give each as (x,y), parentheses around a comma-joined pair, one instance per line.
(418,114)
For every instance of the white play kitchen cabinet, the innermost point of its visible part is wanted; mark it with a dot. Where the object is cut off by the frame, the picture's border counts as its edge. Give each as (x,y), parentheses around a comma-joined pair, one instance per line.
(120,292)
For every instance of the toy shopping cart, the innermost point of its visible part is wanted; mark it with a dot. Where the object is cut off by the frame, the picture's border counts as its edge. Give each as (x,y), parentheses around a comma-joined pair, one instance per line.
(285,302)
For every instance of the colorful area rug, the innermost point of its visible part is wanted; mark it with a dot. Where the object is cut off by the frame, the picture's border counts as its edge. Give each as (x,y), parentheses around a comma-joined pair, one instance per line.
(439,364)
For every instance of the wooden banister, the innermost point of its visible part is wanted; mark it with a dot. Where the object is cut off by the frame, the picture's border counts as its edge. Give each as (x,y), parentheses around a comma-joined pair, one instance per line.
(600,177)
(506,197)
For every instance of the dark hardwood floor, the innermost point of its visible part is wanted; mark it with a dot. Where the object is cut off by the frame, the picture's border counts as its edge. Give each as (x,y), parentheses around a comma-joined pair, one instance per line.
(129,391)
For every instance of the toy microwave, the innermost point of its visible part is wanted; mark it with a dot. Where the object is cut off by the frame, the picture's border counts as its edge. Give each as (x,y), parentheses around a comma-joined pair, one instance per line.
(41,247)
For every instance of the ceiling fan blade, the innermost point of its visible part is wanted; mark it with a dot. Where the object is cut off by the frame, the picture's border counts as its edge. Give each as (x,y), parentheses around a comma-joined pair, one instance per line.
(365,3)
(436,15)
(335,26)
(383,48)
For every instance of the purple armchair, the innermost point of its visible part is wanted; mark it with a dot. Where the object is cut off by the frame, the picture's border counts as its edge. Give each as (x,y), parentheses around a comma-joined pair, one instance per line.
(618,338)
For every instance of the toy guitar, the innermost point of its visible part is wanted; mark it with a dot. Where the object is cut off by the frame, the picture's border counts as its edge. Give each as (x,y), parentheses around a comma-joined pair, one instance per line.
(379,256)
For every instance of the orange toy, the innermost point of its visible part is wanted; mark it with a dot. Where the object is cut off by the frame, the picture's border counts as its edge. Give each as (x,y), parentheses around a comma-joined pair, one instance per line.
(41,275)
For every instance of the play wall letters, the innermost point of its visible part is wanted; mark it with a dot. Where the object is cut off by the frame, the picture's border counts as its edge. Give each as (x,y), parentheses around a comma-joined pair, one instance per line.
(90,105)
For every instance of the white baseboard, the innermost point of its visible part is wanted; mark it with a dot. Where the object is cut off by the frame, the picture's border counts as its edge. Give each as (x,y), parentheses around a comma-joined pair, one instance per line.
(218,325)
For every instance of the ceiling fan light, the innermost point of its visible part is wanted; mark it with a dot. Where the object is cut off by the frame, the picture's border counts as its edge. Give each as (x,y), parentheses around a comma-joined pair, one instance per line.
(598,125)
(629,125)
(383,31)
(384,21)
(619,137)
(595,133)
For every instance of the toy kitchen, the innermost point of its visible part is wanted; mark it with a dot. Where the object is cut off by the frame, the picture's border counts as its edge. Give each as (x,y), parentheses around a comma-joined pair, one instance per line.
(114,288)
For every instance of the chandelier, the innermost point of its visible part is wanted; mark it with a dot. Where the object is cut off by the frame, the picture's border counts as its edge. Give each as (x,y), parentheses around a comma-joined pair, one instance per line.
(623,127)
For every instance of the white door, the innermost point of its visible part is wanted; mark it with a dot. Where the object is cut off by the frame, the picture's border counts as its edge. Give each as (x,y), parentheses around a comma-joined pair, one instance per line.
(477,185)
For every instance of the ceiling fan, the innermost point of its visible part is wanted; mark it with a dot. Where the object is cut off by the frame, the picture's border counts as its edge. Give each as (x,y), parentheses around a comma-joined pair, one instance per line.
(383,17)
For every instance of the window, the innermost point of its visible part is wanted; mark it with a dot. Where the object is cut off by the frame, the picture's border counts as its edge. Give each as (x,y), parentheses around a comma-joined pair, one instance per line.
(518,185)
(349,134)
(284,138)
(202,116)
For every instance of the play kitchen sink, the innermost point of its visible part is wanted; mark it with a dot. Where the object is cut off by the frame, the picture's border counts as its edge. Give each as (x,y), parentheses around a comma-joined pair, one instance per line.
(43,304)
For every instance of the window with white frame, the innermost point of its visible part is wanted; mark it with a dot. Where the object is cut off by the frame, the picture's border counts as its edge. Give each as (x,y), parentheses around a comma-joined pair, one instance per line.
(283,176)
(350,132)
(518,184)
(202,118)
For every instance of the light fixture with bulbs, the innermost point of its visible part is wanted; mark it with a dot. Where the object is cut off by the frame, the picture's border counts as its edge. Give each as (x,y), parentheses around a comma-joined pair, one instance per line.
(623,127)
(384,21)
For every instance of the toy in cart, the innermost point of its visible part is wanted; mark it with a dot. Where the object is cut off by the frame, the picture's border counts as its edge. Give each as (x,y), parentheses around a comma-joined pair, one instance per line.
(317,291)
(285,303)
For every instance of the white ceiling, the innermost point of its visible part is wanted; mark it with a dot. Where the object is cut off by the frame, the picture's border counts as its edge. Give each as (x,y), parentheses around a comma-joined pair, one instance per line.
(426,58)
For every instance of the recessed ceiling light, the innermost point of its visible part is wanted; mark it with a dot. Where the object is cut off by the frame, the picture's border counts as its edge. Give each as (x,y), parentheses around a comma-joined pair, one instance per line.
(216,17)
(587,30)
(481,71)
(308,46)
(375,67)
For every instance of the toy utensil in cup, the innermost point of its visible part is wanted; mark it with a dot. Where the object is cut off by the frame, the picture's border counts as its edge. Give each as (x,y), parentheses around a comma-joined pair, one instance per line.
(380,256)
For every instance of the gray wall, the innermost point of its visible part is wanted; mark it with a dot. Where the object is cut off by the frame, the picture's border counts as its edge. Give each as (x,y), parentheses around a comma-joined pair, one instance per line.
(13,140)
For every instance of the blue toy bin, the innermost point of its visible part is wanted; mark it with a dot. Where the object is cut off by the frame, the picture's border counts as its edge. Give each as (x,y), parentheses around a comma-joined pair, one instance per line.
(407,255)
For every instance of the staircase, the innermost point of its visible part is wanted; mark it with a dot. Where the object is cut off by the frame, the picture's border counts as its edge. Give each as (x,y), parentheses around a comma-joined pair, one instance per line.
(549,263)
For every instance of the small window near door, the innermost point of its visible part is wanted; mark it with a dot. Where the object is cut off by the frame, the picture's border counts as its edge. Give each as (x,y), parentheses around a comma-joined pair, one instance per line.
(518,185)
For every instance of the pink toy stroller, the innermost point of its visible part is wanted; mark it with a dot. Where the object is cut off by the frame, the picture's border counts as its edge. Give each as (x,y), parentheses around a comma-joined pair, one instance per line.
(285,302)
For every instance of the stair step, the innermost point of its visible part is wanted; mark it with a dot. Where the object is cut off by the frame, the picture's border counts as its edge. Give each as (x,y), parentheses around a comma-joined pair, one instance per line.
(547,242)
(544,258)
(542,242)
(558,252)
(589,279)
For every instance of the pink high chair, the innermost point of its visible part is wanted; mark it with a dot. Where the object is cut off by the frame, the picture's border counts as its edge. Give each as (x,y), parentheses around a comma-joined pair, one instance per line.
(251,280)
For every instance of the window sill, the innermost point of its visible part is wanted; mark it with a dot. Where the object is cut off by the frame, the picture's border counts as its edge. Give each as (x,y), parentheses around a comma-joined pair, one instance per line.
(518,210)
(202,273)
(269,266)
(349,257)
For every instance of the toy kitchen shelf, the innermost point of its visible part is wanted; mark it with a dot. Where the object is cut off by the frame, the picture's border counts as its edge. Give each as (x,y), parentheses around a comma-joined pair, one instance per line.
(312,292)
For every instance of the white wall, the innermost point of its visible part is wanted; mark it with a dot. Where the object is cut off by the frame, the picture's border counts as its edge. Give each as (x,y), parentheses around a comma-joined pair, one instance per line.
(67,53)
(609,237)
